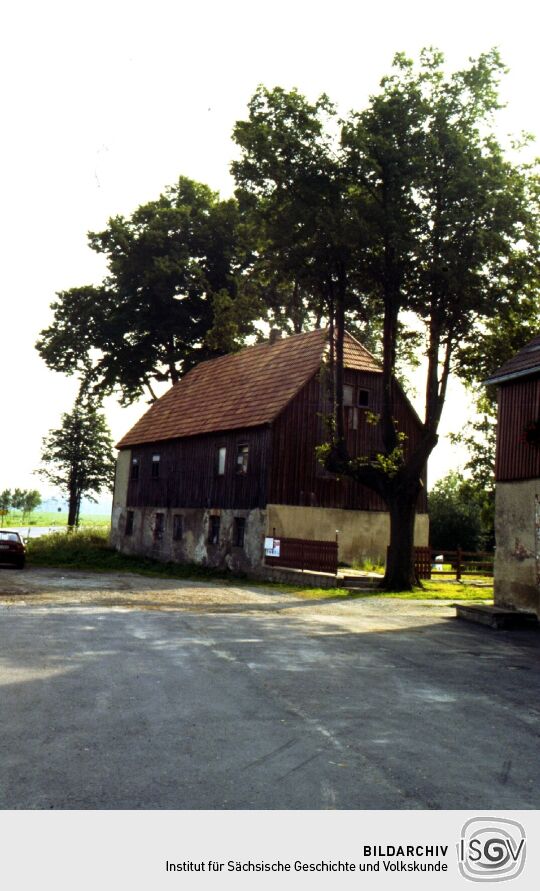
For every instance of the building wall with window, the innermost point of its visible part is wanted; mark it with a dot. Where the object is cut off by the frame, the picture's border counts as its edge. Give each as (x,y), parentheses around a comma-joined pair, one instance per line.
(225,491)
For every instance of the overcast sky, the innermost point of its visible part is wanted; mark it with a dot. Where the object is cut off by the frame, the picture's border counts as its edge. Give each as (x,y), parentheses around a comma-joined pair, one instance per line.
(105,103)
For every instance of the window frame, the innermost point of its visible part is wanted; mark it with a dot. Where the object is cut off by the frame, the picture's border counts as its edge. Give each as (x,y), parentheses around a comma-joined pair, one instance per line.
(221,470)
(130,522)
(214,528)
(178,523)
(368,394)
(239,536)
(242,451)
(159,525)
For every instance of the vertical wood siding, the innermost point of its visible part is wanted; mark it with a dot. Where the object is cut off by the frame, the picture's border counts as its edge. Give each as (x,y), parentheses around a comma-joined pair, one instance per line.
(519,405)
(282,467)
(188,472)
(298,479)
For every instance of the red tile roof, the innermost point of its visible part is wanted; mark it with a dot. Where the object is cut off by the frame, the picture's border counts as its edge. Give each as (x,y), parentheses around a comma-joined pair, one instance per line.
(244,389)
(524,364)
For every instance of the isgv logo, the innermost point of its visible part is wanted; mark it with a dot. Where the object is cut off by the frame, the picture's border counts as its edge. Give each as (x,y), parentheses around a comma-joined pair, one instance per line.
(491,849)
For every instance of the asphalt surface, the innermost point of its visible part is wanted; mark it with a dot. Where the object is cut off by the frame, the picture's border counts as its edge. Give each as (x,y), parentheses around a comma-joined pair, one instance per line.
(123,692)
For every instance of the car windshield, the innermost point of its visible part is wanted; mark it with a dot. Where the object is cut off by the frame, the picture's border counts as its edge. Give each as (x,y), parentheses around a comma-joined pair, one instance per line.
(9,536)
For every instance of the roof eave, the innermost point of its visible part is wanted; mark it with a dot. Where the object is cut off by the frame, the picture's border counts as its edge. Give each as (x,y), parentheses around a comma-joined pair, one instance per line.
(512,375)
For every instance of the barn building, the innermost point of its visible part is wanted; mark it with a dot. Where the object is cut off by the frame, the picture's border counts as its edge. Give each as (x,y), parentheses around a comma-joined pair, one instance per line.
(227,455)
(517,473)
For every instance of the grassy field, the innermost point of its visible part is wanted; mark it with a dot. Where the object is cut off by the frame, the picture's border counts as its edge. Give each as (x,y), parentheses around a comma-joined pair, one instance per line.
(89,550)
(51,518)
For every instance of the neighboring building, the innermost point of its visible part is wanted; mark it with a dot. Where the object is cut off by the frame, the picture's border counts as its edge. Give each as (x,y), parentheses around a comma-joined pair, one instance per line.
(227,455)
(517,474)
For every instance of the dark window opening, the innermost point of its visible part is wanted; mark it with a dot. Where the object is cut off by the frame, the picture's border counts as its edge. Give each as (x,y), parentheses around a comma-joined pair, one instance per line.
(178,527)
(239,531)
(129,522)
(155,466)
(242,458)
(363,398)
(135,469)
(213,531)
(159,523)
(221,458)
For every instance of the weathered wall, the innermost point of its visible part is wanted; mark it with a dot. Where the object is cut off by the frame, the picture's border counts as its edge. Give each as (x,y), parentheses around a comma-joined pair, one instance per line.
(194,546)
(361,533)
(121,482)
(517,555)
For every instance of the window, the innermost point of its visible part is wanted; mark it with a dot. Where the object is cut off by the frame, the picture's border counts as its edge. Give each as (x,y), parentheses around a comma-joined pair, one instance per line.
(213,531)
(134,468)
(129,522)
(242,458)
(178,527)
(155,467)
(363,398)
(348,394)
(158,526)
(239,531)
(221,458)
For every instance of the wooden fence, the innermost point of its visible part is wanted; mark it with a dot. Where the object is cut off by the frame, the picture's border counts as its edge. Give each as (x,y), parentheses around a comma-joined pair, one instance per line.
(305,554)
(462,563)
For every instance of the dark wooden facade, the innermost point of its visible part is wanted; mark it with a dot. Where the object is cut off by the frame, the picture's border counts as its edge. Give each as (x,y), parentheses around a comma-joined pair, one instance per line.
(519,405)
(282,466)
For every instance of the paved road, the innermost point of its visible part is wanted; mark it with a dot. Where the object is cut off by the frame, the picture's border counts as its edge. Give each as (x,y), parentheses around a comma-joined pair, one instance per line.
(125,692)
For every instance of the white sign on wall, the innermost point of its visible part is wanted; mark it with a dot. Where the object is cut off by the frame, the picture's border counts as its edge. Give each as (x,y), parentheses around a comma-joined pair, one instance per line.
(272,547)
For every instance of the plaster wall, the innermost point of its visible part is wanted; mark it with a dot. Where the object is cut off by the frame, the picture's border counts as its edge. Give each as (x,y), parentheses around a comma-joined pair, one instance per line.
(361,534)
(517,535)
(121,481)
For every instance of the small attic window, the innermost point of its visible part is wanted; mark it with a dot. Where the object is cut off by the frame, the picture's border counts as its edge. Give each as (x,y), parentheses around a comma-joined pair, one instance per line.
(135,469)
(363,398)
(155,466)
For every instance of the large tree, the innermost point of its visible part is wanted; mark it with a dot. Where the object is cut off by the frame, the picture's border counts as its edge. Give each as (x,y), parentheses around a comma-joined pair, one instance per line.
(77,457)
(433,227)
(171,279)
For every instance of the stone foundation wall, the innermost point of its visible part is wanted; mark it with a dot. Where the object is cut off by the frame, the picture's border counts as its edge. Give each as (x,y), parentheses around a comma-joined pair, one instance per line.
(517,554)
(194,546)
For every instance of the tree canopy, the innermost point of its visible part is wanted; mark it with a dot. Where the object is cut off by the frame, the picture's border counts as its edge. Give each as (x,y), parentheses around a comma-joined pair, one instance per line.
(159,311)
(420,216)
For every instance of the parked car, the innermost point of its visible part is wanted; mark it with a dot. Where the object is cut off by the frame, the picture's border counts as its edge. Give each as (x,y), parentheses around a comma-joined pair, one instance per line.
(12,548)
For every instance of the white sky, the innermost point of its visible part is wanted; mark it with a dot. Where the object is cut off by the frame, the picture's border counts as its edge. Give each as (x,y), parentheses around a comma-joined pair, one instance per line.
(105,103)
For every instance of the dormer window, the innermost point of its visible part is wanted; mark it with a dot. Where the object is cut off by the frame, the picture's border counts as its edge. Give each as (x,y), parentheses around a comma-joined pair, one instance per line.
(155,466)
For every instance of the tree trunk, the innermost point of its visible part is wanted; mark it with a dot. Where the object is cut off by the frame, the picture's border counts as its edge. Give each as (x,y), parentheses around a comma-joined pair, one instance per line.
(73,509)
(400,574)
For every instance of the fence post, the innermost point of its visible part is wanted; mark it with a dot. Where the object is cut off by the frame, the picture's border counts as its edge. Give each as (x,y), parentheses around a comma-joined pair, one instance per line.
(302,554)
(458,565)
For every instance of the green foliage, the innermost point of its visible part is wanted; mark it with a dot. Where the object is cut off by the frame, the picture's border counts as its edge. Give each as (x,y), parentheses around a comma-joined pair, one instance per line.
(89,549)
(78,457)
(459,515)
(172,275)
(23,500)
